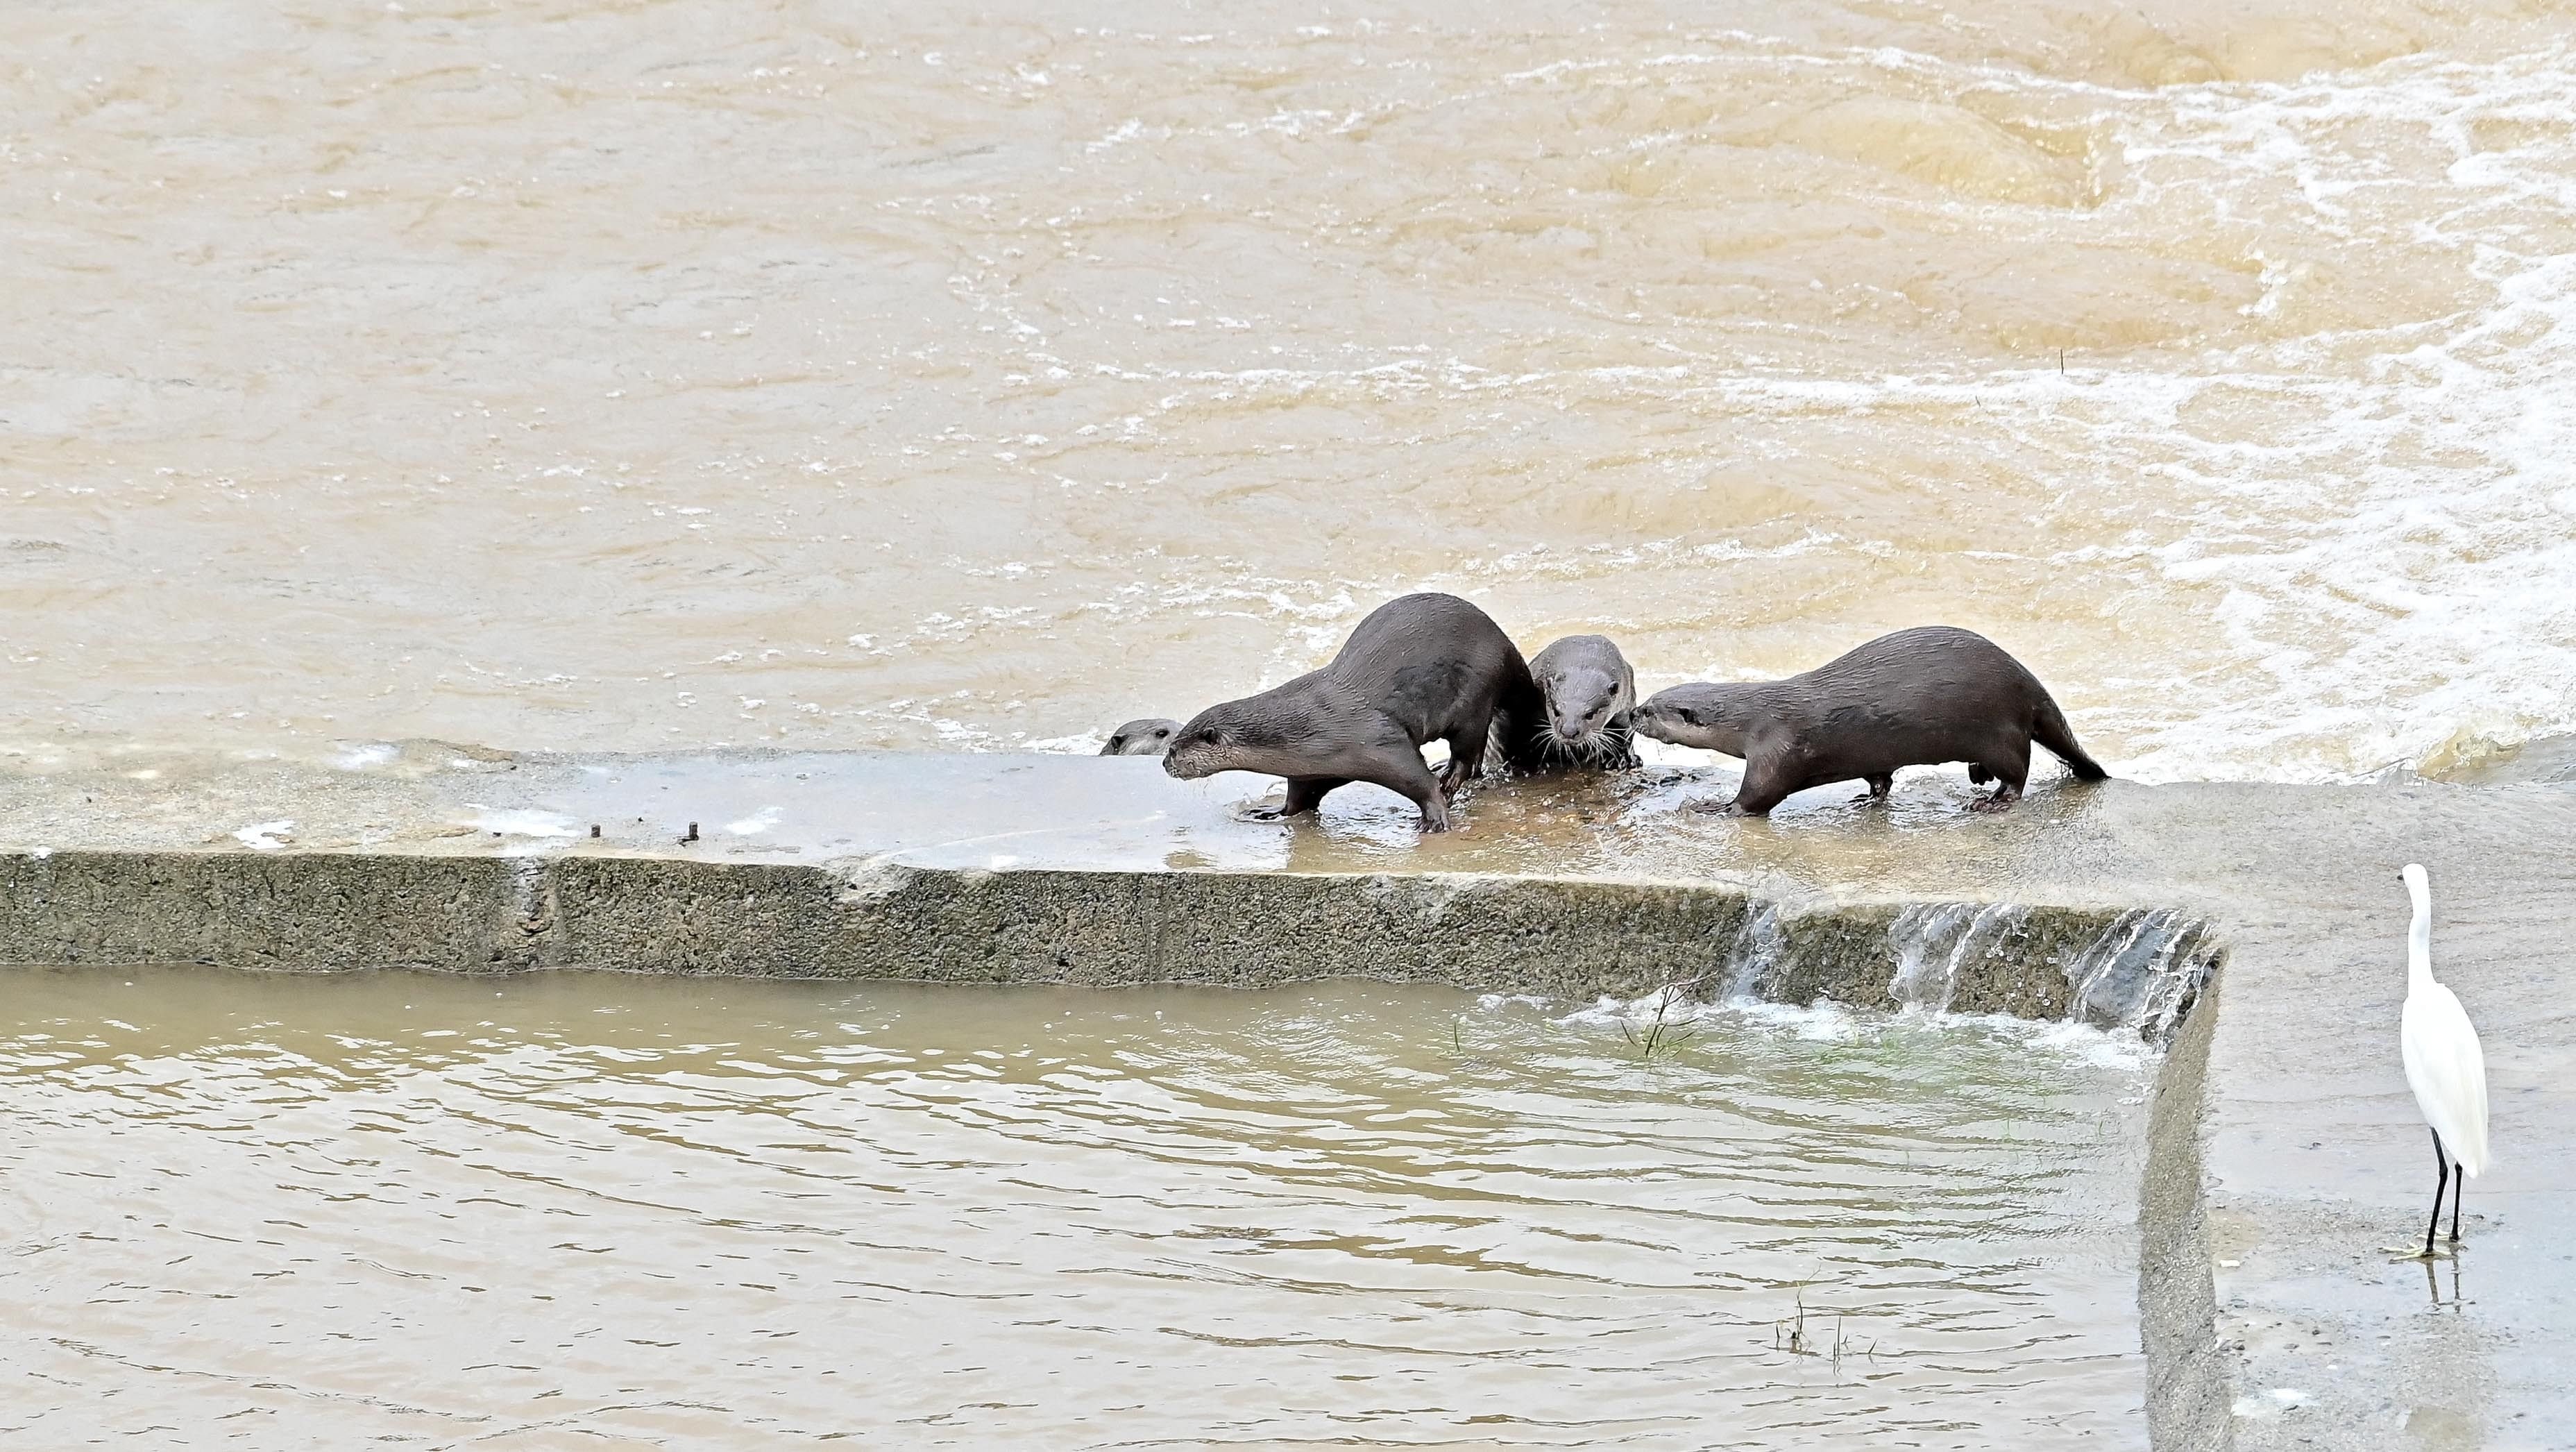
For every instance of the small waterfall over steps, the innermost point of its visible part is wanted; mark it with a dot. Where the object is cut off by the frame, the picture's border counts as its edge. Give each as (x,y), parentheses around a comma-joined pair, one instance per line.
(2138,969)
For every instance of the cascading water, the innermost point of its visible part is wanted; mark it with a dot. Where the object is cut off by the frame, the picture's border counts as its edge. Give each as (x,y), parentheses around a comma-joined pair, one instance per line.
(1934,942)
(2134,971)
(1759,944)
(2143,971)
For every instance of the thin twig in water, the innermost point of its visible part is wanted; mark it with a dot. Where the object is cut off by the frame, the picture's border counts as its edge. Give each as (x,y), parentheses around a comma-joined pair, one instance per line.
(1791,1336)
(1663,1033)
(1796,1342)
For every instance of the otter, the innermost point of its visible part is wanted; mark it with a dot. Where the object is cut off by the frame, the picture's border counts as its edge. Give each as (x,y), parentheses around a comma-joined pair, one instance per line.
(1588,691)
(1144,736)
(1420,668)
(1915,698)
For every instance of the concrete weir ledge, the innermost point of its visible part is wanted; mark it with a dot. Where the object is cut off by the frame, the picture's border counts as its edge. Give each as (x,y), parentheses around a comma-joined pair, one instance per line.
(2282,1152)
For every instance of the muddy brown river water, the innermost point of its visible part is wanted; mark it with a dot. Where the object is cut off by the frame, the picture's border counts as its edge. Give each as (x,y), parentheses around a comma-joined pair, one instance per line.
(602,1211)
(623,376)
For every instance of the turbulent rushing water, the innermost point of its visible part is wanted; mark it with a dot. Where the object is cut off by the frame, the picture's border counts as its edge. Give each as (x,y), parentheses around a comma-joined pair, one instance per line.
(612,1212)
(618,375)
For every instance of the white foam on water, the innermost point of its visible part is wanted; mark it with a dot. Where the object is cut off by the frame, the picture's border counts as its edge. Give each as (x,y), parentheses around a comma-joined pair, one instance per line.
(1827,1020)
(1823,1021)
(1085,744)
(2066,1038)
(361,755)
(2386,516)
(2420,590)
(1609,1012)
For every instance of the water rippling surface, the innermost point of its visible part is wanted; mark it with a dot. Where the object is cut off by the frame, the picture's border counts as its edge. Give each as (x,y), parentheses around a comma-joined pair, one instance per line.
(617,1212)
(583,375)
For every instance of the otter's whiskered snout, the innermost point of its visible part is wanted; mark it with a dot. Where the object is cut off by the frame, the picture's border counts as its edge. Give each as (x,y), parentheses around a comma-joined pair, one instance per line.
(1692,715)
(1589,691)
(1202,748)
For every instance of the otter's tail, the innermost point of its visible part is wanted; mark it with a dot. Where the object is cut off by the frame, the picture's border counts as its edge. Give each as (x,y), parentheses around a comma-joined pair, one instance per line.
(2051,731)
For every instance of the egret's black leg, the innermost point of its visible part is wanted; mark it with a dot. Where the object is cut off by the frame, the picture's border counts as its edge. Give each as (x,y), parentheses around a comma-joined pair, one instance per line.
(2442,1170)
(2457,1181)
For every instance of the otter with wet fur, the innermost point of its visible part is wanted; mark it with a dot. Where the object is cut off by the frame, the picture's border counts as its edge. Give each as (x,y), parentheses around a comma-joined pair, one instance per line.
(1419,668)
(1144,736)
(1588,690)
(1916,698)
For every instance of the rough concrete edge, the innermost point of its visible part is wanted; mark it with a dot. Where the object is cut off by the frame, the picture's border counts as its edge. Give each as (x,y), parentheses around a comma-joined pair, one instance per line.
(2190,1380)
(270,910)
(873,917)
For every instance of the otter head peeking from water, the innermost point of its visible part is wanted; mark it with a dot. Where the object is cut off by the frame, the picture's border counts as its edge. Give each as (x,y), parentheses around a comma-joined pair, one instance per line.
(1588,690)
(1144,736)
(1916,698)
(1420,668)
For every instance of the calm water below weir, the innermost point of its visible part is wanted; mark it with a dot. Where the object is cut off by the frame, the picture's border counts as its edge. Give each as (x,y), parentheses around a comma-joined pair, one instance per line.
(612,1212)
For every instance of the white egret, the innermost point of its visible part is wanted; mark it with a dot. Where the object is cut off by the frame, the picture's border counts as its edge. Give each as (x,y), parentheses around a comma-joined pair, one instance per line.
(2444,1065)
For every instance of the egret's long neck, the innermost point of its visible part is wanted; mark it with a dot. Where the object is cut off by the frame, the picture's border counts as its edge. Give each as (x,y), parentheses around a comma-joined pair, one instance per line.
(2419,939)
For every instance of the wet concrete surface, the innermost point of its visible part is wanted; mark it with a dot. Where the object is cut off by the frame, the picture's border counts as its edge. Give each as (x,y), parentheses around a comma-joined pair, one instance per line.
(2315,1158)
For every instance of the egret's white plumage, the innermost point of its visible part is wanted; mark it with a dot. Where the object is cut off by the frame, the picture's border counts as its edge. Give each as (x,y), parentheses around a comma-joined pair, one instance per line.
(2444,1064)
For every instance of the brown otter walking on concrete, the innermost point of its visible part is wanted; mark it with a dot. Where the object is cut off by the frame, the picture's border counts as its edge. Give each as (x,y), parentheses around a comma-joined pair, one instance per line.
(1589,690)
(1916,698)
(1144,736)
(1419,668)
